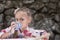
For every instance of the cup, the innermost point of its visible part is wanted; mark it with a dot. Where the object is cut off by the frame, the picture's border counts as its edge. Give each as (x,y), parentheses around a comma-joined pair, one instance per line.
(18,26)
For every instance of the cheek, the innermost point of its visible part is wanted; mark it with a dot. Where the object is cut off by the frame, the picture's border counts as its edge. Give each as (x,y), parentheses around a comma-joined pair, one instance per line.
(25,23)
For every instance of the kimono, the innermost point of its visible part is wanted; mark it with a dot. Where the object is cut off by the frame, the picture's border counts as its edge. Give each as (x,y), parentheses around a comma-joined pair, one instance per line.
(3,31)
(28,32)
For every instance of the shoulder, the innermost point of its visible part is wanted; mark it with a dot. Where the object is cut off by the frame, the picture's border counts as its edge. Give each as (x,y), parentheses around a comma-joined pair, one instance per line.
(6,29)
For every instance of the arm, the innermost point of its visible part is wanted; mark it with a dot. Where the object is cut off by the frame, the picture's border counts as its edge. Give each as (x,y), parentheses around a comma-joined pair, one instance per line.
(5,35)
(8,31)
(4,32)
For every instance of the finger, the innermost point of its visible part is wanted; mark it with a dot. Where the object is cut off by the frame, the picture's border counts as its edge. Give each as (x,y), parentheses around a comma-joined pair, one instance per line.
(13,23)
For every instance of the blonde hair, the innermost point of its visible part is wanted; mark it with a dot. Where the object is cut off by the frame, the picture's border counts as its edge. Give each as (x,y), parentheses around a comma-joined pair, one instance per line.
(24,9)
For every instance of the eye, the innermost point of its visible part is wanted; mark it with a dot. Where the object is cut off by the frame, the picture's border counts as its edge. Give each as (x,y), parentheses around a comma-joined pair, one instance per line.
(22,19)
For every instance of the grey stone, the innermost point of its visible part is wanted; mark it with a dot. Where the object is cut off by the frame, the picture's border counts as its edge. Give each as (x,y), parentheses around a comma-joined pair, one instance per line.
(57,37)
(52,5)
(9,4)
(20,4)
(4,2)
(1,18)
(57,18)
(56,28)
(46,22)
(9,19)
(37,5)
(59,4)
(58,11)
(48,25)
(52,11)
(52,36)
(33,11)
(1,21)
(17,4)
(38,17)
(2,6)
(51,15)
(44,9)
(46,4)
(54,0)
(28,1)
(9,12)
(45,0)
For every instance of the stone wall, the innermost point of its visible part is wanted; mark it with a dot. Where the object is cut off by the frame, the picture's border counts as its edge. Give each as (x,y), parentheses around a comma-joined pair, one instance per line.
(46,14)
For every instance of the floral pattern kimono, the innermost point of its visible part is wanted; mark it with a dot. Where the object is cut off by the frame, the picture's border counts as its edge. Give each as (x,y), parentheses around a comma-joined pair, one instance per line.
(28,32)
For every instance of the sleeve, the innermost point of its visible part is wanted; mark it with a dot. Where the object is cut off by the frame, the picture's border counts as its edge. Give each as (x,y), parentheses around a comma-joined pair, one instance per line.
(1,33)
(4,31)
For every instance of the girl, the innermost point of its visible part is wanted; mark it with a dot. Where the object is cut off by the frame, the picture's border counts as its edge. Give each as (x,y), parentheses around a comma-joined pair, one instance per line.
(22,15)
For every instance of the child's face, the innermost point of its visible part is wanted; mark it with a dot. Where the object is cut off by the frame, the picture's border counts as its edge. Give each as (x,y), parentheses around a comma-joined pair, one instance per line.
(23,18)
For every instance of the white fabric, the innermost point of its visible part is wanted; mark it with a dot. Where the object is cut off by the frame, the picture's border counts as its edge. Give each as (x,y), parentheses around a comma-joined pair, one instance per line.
(1,33)
(8,29)
(32,30)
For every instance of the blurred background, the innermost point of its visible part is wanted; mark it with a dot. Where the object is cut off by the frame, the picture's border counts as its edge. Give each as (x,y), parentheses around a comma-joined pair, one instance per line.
(46,14)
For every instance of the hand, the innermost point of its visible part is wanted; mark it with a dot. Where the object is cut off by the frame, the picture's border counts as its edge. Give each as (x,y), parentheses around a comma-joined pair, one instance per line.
(12,27)
(13,24)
